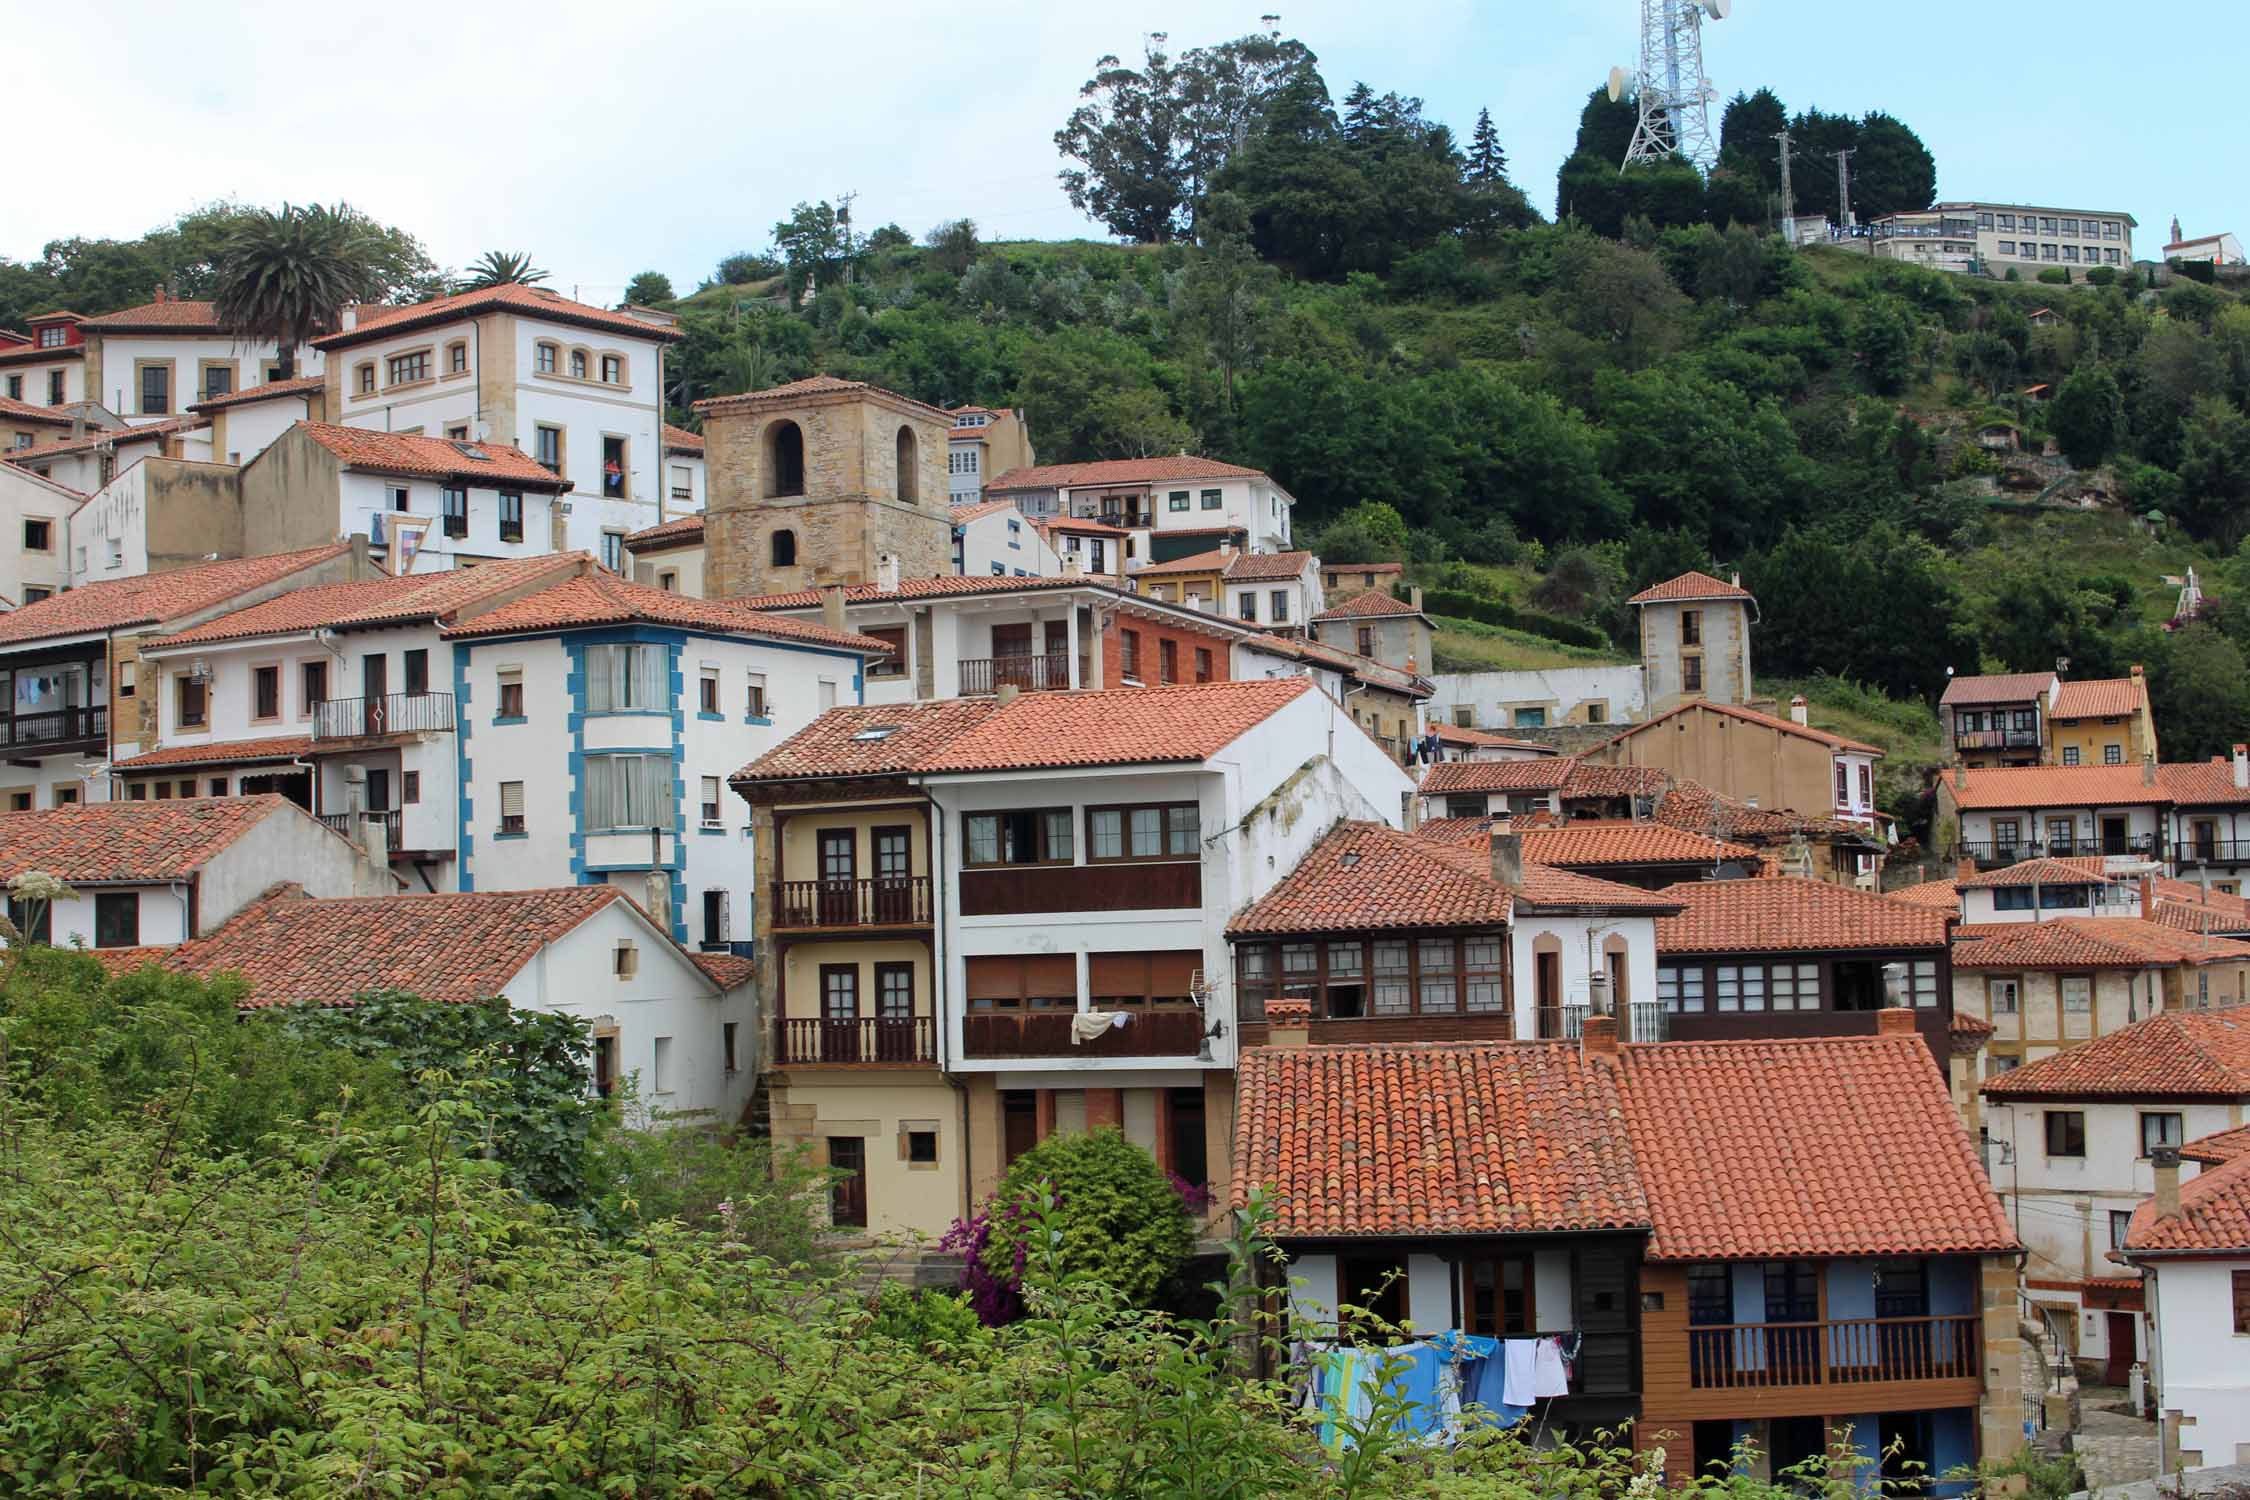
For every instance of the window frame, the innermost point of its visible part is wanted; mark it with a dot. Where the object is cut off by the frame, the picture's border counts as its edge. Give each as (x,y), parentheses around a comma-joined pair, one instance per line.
(265,675)
(409,367)
(1125,810)
(2157,1117)
(1041,829)
(453,506)
(511,515)
(107,906)
(2070,1126)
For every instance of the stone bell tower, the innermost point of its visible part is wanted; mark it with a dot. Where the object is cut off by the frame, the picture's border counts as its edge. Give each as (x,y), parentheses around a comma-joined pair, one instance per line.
(813,482)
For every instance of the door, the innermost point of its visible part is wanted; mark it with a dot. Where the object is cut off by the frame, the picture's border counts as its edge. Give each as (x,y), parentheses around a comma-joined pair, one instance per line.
(1011,657)
(2118,1368)
(894,1013)
(847,1194)
(1547,975)
(1055,669)
(374,689)
(1191,1160)
(2059,843)
(2206,839)
(2113,834)
(1019,1123)
(839,877)
(894,874)
(378,790)
(2004,840)
(839,1013)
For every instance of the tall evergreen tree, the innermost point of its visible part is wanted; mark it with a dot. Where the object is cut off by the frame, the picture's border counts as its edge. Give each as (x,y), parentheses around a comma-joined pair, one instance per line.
(1487,163)
(1746,130)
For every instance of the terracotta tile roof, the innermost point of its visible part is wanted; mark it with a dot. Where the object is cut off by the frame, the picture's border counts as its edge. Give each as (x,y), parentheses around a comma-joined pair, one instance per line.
(1121,726)
(1380,569)
(137,842)
(1964,1025)
(386,322)
(1213,561)
(1592,778)
(174,315)
(1751,716)
(2011,787)
(1119,471)
(1261,567)
(797,390)
(680,440)
(1367,605)
(1689,585)
(962,515)
(1460,734)
(1081,526)
(922,588)
(2194,916)
(2037,872)
(272,390)
(602,598)
(1579,844)
(1691,805)
(680,531)
(1467,832)
(1722,1150)
(375,602)
(457,947)
(147,432)
(1783,913)
(2012,687)
(1468,776)
(1365,668)
(2214,1217)
(726,970)
(2219,1147)
(2207,783)
(501,465)
(2094,943)
(1366,876)
(1841,1146)
(24,411)
(2097,698)
(1499,1138)
(1938,895)
(151,598)
(833,744)
(226,753)
(125,960)
(2173,1055)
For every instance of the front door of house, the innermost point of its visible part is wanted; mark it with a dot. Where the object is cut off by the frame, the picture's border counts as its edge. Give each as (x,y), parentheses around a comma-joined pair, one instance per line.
(839,871)
(847,1195)
(2117,1369)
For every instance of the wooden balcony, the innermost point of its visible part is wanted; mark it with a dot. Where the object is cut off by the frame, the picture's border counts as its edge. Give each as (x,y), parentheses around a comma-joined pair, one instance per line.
(982,676)
(887,901)
(1851,1351)
(1154,1031)
(1134,886)
(855,1041)
(374,718)
(54,731)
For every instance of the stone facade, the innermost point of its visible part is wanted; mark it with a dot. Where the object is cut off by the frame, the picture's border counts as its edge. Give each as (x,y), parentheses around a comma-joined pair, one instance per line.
(871,483)
(1696,648)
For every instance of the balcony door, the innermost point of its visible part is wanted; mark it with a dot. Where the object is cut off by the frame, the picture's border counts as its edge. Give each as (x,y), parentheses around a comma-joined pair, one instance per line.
(2205,836)
(839,1013)
(839,876)
(2113,834)
(894,1013)
(894,873)
(2059,831)
(374,692)
(1012,665)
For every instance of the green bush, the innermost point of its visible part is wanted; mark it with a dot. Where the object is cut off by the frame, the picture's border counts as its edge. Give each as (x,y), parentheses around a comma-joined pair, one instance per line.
(2054,276)
(2102,275)
(1118,1216)
(1466,606)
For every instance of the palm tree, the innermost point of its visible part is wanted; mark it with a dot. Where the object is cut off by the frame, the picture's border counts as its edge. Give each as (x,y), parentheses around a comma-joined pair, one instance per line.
(286,275)
(500,267)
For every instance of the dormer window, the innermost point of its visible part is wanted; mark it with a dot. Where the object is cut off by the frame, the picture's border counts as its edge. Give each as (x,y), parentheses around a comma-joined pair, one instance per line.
(51,338)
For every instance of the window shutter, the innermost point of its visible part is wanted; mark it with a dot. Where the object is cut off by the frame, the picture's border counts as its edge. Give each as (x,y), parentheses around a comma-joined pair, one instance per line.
(511,799)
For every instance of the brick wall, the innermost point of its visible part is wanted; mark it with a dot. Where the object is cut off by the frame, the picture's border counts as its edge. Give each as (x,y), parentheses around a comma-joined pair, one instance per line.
(1152,635)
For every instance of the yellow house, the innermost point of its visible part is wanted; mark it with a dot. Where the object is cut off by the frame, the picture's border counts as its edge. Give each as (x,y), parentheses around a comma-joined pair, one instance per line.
(2105,721)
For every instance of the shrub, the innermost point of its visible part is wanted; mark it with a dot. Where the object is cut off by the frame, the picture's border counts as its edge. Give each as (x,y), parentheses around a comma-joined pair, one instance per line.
(2054,276)
(1467,606)
(2102,275)
(1116,1214)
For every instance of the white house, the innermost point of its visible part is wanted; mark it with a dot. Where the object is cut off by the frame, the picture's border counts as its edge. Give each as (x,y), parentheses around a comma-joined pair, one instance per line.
(1174,505)
(579,388)
(149,363)
(35,517)
(668,556)
(598,720)
(244,422)
(45,365)
(144,876)
(93,458)
(2207,827)
(675,1029)
(1535,699)
(2192,1244)
(993,539)
(1279,590)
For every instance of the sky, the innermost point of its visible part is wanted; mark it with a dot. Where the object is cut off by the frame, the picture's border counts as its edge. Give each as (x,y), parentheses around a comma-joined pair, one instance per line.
(607,139)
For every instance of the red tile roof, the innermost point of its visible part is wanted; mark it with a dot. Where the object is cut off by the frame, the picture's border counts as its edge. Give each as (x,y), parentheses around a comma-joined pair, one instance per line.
(125,960)
(226,753)
(2208,783)
(152,598)
(726,970)
(1378,568)
(680,440)
(385,322)
(172,315)
(1120,726)
(1591,779)
(2195,916)
(2219,1147)
(147,432)
(1578,844)
(371,603)
(2038,872)
(1721,1150)
(133,842)
(602,598)
(1239,566)
(2013,687)
(272,390)
(456,947)
(798,390)
(1461,734)
(2097,698)
(2093,943)
(496,464)
(1545,774)
(962,515)
(1964,1025)
(1751,716)
(2008,788)
(1689,586)
(1367,605)
(1119,471)
(1366,876)
(2214,1217)
(1938,895)
(2172,1055)
(1782,913)
(1691,805)
(1365,668)
(680,531)
(23,411)
(882,741)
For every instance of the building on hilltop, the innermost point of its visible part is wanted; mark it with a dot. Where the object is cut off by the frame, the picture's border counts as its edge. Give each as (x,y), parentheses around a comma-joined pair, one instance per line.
(1695,640)
(1990,239)
(1169,506)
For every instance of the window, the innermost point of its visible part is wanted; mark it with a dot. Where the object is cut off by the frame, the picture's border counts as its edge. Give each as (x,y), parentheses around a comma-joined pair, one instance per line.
(15,387)
(2069,226)
(921,1148)
(2066,1132)
(511,693)
(2110,255)
(1691,627)
(728,1031)
(613,370)
(453,502)
(2070,254)
(403,369)
(1691,674)
(613,468)
(613,551)
(707,691)
(2007,221)
(363,378)
(1246,605)
(1843,786)
(1680,988)
(1210,499)
(265,692)
(218,380)
(2241,1281)
(1866,787)
(1984,221)
(2007,247)
(511,516)
(2070,755)
(312,683)
(2003,997)
(193,702)
(711,802)
(2077,994)
(1035,836)
(626,678)
(578,364)
(1169,830)
(669,581)
(2047,250)
(1202,664)
(38,535)
(511,807)
(1365,641)
(117,919)
(1168,661)
(628,791)
(156,389)
(1277,610)
(2113,755)
(410,788)
(547,447)
(1129,653)
(1177,500)
(782,549)
(55,377)
(543,358)
(456,358)
(756,707)
(2161,1128)
(51,338)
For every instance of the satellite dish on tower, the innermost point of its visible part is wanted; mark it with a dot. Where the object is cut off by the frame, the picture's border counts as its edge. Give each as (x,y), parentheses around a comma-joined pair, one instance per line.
(1719,10)
(1616,84)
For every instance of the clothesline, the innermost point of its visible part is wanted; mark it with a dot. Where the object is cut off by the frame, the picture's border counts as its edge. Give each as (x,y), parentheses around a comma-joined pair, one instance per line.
(1443,1381)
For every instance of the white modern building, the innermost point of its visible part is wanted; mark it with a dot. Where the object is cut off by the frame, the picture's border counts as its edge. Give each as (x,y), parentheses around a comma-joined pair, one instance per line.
(993,539)
(1992,238)
(150,363)
(1173,506)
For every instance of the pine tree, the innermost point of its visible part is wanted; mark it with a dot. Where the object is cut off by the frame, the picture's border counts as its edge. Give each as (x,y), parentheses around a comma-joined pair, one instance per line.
(1360,106)
(1487,163)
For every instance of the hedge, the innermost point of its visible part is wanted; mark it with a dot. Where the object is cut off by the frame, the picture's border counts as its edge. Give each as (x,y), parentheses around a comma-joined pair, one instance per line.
(1467,606)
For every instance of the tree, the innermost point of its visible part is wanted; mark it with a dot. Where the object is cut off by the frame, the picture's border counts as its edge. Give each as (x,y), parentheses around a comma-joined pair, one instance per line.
(1121,1220)
(1093,394)
(1371,531)
(647,289)
(1487,163)
(1605,127)
(953,245)
(2199,682)
(2215,469)
(287,276)
(1746,132)
(1695,455)
(745,266)
(1876,606)
(814,242)
(2088,416)
(1222,293)
(1893,171)
(1883,343)
(501,268)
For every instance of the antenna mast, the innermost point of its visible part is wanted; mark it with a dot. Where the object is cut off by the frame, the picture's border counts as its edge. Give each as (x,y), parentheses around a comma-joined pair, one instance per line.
(1675,97)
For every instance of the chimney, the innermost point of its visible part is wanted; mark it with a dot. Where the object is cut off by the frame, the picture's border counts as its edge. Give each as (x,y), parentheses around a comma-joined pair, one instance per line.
(2242,767)
(886,572)
(375,838)
(1960,778)
(1289,1022)
(1965,869)
(1226,547)
(1894,1020)
(1409,811)
(832,607)
(2147,884)
(659,898)
(1735,579)
(1072,567)
(1507,854)
(1797,710)
(1414,597)
(355,788)
(350,319)
(1597,995)
(2166,1160)
(1598,1037)
(2148,770)
(163,293)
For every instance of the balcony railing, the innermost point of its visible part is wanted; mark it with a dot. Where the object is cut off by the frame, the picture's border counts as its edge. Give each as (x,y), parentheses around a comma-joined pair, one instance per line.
(886,901)
(2010,851)
(982,676)
(858,1039)
(54,728)
(2212,852)
(1643,1021)
(393,713)
(1153,1031)
(1853,1351)
(1996,739)
(348,825)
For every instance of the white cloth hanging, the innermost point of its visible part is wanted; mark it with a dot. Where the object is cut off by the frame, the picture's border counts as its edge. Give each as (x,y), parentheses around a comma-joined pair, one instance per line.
(1548,1378)
(1085,1025)
(1519,1360)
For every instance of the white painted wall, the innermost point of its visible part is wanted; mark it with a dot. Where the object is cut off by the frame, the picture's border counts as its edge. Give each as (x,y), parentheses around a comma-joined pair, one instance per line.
(122,354)
(363,497)
(1005,544)
(1259,506)
(1582,942)
(251,428)
(2062,1204)
(163,914)
(24,495)
(2203,1365)
(35,378)
(109,533)
(1495,696)
(2031,823)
